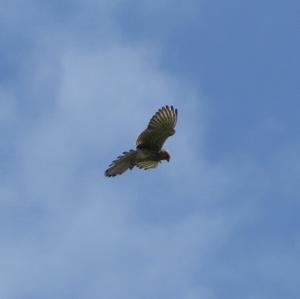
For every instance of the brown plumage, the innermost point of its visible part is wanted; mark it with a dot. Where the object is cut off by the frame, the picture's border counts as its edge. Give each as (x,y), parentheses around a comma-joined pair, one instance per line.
(149,152)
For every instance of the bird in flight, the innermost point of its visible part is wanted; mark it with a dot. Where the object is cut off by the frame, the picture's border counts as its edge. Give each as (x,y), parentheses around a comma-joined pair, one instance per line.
(149,152)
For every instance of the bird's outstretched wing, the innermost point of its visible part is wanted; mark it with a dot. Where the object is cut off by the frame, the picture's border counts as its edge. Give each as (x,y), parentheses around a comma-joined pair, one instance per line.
(121,164)
(161,126)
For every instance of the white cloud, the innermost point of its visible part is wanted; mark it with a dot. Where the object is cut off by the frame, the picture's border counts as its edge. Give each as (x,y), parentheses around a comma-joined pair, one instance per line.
(89,224)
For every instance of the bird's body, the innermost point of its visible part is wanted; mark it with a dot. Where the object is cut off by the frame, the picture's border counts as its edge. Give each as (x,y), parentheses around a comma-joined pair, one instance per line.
(149,152)
(143,155)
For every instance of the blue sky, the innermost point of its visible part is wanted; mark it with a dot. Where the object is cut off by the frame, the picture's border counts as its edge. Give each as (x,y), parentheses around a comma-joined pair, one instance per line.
(79,80)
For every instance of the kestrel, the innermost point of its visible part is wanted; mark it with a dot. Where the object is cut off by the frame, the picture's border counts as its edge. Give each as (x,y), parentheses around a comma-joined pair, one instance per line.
(149,152)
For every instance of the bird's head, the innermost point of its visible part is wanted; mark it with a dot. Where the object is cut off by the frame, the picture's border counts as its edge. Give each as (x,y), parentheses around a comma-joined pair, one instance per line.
(165,155)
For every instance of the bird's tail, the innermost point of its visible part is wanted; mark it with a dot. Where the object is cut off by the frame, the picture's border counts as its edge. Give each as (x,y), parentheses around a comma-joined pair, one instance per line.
(122,163)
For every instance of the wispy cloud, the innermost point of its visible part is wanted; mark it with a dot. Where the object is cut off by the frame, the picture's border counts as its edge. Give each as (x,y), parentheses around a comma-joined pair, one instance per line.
(80,94)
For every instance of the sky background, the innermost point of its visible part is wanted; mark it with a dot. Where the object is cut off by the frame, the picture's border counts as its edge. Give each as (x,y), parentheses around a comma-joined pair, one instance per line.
(79,80)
